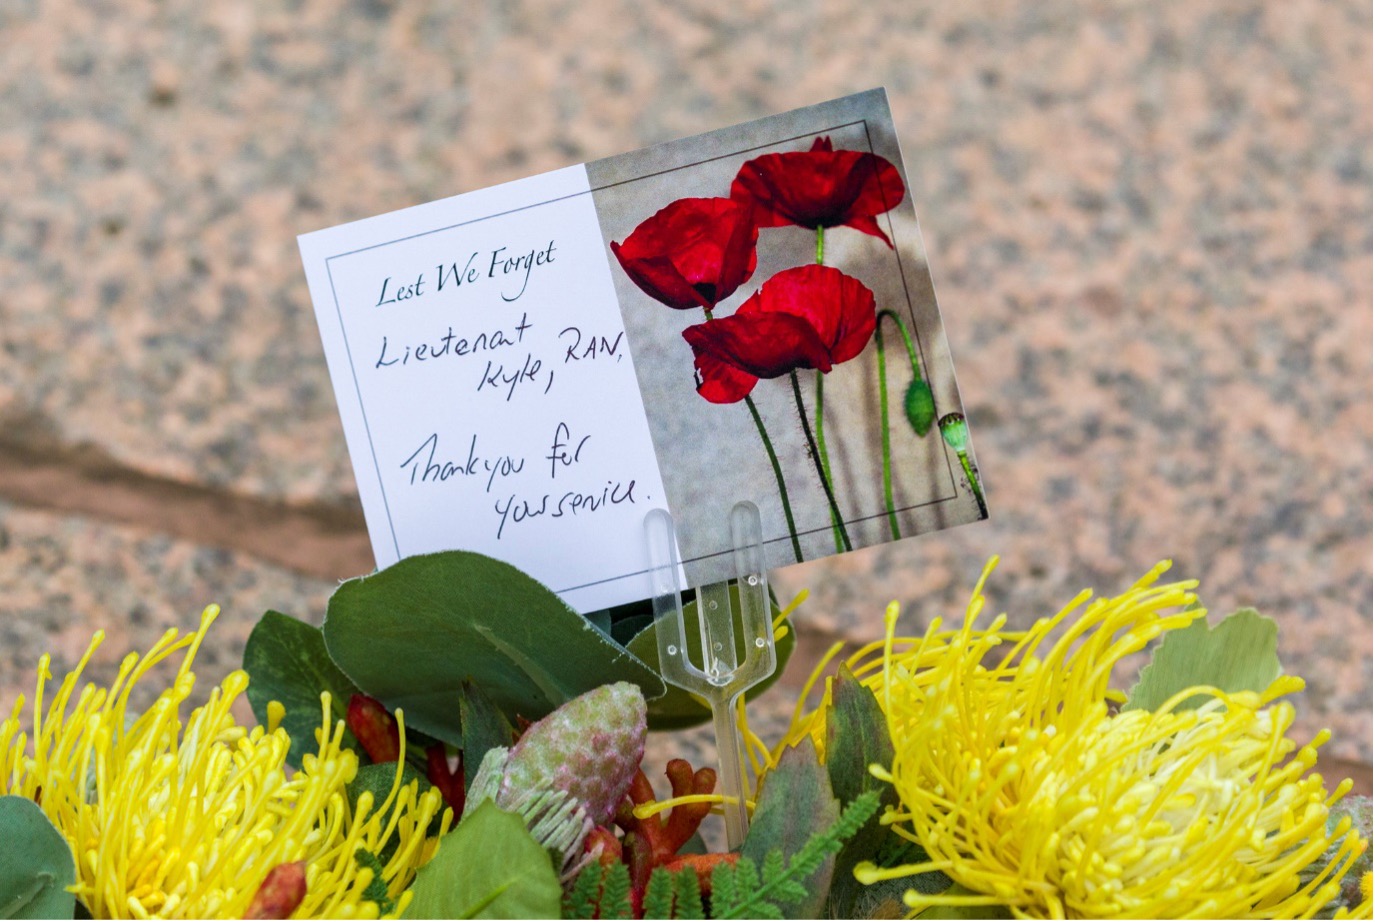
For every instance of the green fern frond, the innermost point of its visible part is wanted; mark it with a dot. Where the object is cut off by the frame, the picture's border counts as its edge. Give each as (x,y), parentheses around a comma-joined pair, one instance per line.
(659,895)
(723,889)
(615,900)
(687,893)
(747,896)
(580,902)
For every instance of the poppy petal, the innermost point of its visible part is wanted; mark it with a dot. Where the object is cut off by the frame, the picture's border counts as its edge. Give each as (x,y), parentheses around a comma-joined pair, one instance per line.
(766,345)
(870,226)
(661,280)
(694,252)
(721,382)
(838,307)
(820,187)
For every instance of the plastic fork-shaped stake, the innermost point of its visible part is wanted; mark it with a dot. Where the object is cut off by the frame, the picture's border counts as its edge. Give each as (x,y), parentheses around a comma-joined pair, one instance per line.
(730,661)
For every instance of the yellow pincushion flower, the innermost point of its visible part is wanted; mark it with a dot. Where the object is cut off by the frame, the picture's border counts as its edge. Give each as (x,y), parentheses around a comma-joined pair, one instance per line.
(173,820)
(1024,786)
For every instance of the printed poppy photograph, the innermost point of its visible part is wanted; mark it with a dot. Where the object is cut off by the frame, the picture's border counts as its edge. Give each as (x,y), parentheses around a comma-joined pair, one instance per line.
(776,293)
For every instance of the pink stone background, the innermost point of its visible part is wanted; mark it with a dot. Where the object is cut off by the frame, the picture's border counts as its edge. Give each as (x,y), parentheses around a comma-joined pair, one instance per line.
(1149,227)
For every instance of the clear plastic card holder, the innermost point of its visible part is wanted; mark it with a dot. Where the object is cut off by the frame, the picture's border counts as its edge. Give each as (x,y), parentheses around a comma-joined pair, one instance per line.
(724,669)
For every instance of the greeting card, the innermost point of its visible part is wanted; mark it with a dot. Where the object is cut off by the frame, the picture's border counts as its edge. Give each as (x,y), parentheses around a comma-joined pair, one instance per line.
(527,370)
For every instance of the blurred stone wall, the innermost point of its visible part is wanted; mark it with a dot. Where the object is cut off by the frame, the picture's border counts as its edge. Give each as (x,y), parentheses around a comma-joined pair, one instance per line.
(1149,227)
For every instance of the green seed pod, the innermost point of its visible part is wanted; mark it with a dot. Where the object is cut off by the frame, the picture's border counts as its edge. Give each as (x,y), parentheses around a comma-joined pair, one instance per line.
(955,431)
(920,406)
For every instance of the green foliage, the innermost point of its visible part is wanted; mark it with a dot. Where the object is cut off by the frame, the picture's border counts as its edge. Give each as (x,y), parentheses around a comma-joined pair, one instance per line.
(489,867)
(659,895)
(376,890)
(1357,810)
(745,892)
(677,708)
(687,895)
(919,405)
(740,891)
(1240,654)
(795,804)
(411,634)
(615,897)
(484,727)
(580,900)
(286,661)
(857,737)
(883,900)
(36,866)
(377,779)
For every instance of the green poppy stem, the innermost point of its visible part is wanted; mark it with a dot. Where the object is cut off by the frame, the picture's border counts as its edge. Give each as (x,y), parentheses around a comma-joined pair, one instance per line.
(816,457)
(883,430)
(777,475)
(912,356)
(820,403)
(973,479)
(886,437)
(825,458)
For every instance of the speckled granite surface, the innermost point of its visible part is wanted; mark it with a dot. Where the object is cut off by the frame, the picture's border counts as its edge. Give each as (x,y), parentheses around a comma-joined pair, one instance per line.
(1149,228)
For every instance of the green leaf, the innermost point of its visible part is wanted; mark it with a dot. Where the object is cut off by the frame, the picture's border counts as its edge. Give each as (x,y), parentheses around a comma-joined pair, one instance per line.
(484,727)
(601,620)
(489,867)
(286,661)
(856,737)
(880,900)
(920,406)
(795,804)
(1240,654)
(377,779)
(412,634)
(677,709)
(36,865)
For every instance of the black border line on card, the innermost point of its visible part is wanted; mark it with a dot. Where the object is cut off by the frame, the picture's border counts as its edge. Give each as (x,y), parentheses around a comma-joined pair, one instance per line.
(386,506)
(358,389)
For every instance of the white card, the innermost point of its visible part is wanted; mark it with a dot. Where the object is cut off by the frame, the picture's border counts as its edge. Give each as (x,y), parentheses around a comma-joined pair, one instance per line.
(508,384)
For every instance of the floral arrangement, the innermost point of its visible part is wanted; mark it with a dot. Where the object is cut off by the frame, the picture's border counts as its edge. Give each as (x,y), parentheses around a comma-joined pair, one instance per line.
(454,743)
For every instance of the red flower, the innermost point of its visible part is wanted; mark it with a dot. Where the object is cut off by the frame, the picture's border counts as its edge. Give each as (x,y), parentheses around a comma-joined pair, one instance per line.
(805,317)
(820,188)
(695,252)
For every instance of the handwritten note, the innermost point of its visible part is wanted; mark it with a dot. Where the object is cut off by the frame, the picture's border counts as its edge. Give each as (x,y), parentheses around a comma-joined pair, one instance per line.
(487,389)
(527,370)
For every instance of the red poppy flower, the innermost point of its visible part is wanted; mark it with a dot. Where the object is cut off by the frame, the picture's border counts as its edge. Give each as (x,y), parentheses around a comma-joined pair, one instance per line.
(820,187)
(805,317)
(695,252)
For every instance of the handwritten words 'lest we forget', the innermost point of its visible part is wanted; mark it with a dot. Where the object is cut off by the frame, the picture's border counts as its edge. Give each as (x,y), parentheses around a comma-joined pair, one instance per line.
(509,355)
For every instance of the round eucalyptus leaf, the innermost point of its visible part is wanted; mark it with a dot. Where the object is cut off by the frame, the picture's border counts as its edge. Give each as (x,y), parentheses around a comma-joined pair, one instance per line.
(36,865)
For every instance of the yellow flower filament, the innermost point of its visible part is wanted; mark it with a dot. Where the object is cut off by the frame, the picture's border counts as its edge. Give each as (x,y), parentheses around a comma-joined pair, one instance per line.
(1026,788)
(1022,786)
(173,820)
